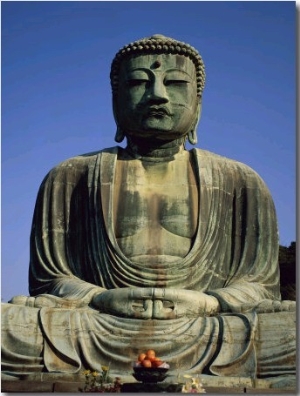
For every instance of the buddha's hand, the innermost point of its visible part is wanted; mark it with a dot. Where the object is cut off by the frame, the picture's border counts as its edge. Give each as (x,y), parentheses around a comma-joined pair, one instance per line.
(176,303)
(155,303)
(126,302)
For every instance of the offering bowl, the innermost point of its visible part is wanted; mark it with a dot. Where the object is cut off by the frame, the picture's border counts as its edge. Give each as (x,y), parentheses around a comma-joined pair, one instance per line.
(150,374)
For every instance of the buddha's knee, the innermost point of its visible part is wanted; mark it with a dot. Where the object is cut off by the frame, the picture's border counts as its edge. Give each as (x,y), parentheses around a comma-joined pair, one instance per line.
(22,340)
(276,344)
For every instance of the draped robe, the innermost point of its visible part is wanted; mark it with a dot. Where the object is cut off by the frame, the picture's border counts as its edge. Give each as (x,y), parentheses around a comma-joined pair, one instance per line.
(75,255)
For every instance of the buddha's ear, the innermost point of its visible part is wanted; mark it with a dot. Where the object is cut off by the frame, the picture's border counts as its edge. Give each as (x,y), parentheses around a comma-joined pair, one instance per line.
(119,136)
(192,135)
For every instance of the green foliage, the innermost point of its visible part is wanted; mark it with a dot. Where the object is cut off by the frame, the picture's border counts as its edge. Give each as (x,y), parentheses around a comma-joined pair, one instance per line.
(287,255)
(287,266)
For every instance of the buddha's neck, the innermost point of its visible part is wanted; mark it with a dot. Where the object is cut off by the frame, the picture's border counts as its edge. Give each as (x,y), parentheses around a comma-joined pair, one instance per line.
(154,151)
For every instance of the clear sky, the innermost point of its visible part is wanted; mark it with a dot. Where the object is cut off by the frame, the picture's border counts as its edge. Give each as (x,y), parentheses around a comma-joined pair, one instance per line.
(56,97)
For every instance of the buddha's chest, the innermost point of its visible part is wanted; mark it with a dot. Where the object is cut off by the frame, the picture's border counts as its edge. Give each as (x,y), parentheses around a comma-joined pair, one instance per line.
(157,196)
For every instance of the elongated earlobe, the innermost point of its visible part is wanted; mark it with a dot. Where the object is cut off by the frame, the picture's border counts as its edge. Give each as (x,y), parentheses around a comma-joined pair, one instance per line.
(119,137)
(192,135)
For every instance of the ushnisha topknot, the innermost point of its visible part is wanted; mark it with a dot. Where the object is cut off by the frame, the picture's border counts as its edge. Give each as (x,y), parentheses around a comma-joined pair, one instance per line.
(158,44)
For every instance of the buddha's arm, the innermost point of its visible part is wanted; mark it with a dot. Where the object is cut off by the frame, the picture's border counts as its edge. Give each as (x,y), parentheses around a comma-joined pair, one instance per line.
(74,288)
(254,273)
(59,261)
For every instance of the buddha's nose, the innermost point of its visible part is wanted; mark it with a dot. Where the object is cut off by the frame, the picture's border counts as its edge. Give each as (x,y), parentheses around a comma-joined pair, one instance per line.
(157,91)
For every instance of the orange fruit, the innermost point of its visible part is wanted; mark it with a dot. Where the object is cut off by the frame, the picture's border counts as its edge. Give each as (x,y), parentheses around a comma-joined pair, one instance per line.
(141,357)
(156,362)
(150,354)
(146,363)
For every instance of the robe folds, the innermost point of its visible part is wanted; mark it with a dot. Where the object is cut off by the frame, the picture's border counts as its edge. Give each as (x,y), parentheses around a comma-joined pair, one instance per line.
(74,255)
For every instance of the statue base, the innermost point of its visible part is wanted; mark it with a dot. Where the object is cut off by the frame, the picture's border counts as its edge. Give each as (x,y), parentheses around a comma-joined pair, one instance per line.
(73,383)
(143,387)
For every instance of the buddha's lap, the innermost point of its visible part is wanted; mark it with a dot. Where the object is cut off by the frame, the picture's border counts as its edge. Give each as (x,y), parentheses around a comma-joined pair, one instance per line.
(26,321)
(85,334)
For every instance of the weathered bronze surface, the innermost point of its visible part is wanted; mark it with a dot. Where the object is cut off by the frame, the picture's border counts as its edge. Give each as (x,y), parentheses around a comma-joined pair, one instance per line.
(153,246)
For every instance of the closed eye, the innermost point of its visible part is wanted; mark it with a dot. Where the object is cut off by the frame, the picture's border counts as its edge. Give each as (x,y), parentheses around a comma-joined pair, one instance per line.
(175,82)
(137,82)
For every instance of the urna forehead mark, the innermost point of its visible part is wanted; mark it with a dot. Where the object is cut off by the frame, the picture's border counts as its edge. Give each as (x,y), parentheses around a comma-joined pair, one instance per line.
(156,64)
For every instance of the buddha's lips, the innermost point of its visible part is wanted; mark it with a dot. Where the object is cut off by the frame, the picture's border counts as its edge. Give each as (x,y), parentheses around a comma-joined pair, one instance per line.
(158,111)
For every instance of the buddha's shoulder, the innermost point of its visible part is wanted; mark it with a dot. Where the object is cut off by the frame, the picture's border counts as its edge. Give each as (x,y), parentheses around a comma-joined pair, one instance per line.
(213,159)
(232,168)
(78,166)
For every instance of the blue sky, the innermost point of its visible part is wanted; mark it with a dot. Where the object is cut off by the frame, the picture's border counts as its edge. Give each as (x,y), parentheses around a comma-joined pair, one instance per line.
(56,97)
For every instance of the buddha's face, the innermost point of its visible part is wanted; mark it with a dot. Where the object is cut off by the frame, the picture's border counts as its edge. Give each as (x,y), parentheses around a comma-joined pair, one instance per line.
(157,96)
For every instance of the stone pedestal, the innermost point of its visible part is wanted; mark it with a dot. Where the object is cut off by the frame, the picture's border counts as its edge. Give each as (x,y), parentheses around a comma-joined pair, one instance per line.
(143,387)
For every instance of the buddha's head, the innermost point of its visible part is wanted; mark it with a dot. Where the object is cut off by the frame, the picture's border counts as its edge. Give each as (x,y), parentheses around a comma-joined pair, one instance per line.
(157,86)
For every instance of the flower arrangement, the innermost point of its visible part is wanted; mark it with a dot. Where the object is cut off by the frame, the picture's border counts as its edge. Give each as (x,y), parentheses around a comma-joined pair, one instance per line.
(101,382)
(192,385)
